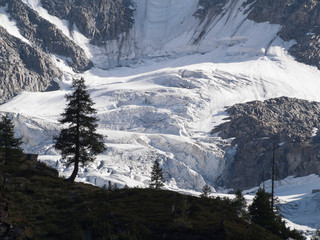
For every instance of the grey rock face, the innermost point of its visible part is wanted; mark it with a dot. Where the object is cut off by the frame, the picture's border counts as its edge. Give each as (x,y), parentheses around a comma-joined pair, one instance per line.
(43,34)
(257,126)
(99,20)
(300,20)
(28,67)
(23,67)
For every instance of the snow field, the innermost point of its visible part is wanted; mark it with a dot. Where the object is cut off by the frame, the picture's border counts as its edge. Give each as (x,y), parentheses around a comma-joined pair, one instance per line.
(297,201)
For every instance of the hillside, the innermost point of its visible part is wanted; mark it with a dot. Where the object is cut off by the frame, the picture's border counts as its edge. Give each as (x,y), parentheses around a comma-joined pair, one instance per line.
(36,204)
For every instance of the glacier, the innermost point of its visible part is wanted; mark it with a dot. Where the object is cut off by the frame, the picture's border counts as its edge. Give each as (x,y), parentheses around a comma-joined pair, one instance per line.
(161,88)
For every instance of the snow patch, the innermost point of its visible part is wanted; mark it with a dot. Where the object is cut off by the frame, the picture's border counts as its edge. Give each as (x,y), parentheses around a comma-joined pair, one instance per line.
(297,202)
(10,25)
(314,132)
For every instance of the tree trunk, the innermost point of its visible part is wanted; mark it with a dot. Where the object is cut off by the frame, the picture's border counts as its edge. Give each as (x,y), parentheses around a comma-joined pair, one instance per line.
(74,173)
(77,140)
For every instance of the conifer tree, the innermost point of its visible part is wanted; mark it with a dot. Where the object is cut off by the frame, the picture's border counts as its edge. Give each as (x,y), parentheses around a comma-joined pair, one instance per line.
(79,142)
(262,213)
(10,146)
(239,203)
(156,176)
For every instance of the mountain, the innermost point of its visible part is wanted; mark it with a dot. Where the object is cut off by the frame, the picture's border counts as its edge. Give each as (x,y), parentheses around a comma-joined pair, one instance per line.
(165,77)
(123,32)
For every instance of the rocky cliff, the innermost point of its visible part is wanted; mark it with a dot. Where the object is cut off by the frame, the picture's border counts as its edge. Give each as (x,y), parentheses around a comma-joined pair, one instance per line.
(23,67)
(100,20)
(287,126)
(300,20)
(44,35)
(28,66)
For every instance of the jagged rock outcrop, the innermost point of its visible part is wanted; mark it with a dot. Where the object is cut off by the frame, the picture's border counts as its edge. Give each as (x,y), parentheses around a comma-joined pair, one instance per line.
(100,20)
(23,67)
(300,20)
(288,124)
(45,35)
(28,66)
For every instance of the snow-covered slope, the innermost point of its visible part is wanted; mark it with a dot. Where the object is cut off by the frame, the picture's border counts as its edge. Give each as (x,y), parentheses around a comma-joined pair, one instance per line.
(298,200)
(169,29)
(171,93)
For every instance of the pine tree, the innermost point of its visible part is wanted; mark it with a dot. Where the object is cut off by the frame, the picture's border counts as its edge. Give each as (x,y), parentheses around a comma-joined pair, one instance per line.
(206,190)
(79,142)
(10,146)
(156,176)
(261,212)
(239,203)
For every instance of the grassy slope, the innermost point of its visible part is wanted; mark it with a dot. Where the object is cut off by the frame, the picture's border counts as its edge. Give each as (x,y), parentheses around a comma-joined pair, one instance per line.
(44,206)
